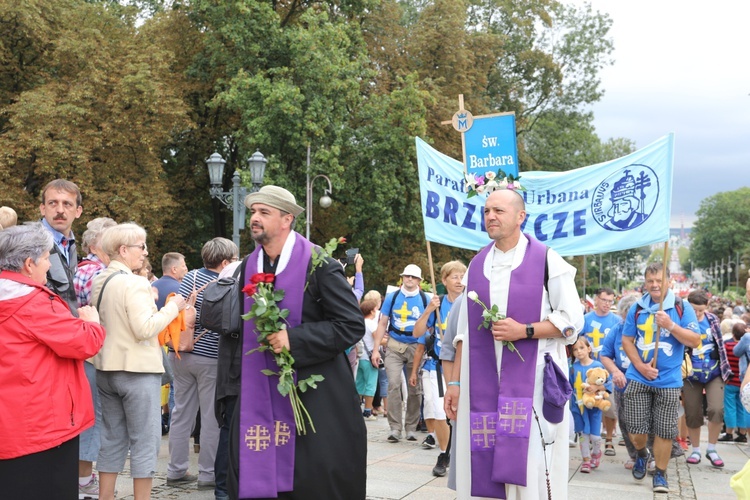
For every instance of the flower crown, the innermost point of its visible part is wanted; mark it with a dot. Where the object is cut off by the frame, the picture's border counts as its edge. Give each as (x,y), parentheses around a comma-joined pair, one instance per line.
(490,181)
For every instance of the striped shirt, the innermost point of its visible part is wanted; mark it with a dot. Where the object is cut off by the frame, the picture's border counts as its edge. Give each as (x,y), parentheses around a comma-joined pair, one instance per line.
(734,362)
(208,345)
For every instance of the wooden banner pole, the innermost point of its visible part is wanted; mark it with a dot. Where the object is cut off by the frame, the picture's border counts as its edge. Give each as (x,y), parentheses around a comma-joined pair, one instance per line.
(664,282)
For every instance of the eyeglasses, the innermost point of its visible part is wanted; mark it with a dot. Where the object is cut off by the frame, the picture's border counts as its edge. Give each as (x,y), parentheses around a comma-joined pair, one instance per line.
(606,301)
(142,246)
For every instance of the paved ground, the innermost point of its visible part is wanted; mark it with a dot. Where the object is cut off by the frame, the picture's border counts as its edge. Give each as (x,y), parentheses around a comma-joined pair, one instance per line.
(404,471)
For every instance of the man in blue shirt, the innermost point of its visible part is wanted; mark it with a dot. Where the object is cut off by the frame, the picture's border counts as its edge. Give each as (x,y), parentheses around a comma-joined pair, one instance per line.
(401,310)
(596,327)
(173,269)
(653,328)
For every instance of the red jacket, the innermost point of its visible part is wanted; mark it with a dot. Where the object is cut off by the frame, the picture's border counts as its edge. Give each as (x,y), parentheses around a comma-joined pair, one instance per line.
(45,398)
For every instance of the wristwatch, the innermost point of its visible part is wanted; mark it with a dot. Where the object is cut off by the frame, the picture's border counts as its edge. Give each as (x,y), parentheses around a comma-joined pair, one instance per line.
(568,332)
(529,330)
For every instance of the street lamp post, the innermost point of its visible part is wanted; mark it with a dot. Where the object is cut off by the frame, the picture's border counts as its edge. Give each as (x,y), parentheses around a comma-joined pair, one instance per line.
(257,166)
(325,200)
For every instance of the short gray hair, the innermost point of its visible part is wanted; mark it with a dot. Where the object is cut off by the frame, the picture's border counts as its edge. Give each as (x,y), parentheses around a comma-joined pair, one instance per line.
(94,230)
(122,234)
(626,303)
(217,250)
(18,243)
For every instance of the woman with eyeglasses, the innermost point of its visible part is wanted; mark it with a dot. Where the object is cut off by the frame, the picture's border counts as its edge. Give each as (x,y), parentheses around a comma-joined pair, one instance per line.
(129,365)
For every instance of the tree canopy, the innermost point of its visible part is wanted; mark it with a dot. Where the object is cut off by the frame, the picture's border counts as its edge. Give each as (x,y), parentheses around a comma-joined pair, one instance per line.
(722,231)
(129,98)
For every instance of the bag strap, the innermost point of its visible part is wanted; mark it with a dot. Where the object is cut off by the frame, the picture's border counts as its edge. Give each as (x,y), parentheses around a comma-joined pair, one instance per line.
(239,274)
(101,292)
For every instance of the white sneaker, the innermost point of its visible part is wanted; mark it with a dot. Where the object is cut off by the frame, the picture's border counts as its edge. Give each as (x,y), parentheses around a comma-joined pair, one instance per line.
(90,491)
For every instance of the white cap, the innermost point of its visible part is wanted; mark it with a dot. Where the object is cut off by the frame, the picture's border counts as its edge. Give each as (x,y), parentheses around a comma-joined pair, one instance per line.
(412,270)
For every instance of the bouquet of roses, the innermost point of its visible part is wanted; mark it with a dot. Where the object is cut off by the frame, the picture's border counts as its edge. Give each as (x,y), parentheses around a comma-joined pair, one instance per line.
(489,316)
(269,319)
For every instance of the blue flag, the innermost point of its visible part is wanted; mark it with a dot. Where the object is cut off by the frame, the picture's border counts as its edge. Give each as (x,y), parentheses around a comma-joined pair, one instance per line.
(615,205)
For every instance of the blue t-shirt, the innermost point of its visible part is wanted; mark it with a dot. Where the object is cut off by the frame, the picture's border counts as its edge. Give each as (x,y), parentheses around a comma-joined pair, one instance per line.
(578,377)
(445,308)
(704,367)
(404,314)
(671,350)
(596,328)
(612,348)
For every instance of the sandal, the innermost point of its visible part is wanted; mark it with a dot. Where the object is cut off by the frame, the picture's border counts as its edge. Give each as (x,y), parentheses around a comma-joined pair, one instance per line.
(630,463)
(596,459)
(585,467)
(717,461)
(695,458)
(609,450)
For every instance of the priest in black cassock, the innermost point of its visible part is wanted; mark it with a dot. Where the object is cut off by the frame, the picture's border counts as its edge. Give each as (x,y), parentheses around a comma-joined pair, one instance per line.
(268,459)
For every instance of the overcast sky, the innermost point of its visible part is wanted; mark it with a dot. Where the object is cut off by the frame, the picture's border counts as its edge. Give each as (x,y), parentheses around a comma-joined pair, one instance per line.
(682,67)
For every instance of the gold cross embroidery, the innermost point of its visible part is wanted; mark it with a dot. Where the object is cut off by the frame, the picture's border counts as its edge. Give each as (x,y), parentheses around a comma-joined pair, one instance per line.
(257,438)
(483,432)
(511,418)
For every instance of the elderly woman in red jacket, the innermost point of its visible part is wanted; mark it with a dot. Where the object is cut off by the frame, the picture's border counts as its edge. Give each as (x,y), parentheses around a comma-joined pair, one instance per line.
(45,401)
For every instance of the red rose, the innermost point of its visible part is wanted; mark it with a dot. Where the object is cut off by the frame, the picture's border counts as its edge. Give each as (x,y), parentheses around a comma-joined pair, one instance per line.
(250,289)
(262,278)
(269,277)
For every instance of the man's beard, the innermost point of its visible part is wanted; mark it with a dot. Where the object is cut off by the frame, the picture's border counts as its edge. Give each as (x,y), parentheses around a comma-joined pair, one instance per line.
(261,238)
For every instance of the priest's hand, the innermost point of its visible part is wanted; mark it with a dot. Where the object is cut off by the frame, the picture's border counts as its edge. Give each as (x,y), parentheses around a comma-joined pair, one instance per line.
(278,341)
(450,401)
(508,330)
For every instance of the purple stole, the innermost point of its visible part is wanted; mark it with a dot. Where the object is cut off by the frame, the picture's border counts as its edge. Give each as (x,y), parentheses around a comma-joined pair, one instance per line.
(267,428)
(500,406)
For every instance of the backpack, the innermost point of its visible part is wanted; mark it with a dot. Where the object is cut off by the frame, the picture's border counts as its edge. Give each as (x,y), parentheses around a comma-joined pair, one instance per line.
(222,303)
(393,303)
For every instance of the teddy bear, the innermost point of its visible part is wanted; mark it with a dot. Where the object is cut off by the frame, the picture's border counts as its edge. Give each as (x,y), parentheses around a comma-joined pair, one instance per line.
(595,395)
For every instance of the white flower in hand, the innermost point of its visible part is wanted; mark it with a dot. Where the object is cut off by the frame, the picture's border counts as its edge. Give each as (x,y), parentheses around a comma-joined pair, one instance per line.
(489,316)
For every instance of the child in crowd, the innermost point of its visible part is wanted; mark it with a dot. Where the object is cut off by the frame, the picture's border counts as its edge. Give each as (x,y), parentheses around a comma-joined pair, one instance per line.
(8,217)
(588,421)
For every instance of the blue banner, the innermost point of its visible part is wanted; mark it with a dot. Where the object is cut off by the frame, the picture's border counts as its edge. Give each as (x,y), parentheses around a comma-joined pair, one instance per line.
(490,144)
(615,205)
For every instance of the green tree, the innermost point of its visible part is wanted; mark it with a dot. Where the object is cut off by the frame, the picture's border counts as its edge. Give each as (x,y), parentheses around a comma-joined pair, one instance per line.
(98,113)
(722,230)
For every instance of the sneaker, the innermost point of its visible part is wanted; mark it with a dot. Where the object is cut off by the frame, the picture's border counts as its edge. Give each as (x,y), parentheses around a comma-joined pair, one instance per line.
(394,437)
(660,482)
(187,478)
(640,466)
(651,466)
(586,467)
(429,442)
(741,438)
(683,443)
(727,437)
(410,436)
(206,485)
(370,417)
(596,459)
(421,426)
(90,491)
(442,464)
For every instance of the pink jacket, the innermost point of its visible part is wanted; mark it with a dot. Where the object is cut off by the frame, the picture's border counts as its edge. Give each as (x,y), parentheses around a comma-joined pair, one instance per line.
(45,398)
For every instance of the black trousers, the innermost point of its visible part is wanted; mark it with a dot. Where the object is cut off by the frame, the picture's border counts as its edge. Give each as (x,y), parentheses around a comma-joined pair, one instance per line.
(49,474)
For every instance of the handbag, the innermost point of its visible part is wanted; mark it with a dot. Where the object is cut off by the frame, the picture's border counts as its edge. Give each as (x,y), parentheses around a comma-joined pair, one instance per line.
(168,376)
(221,310)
